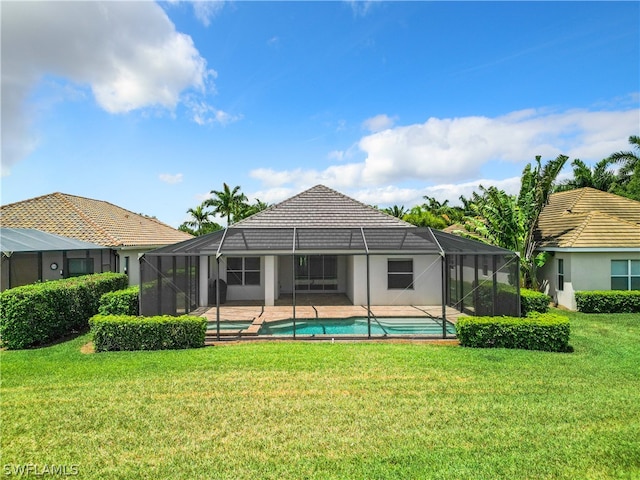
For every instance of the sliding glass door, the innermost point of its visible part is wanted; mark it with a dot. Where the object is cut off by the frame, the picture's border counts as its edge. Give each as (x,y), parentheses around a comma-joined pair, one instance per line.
(316,272)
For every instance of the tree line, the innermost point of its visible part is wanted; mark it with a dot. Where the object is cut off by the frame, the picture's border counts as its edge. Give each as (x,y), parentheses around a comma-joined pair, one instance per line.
(490,214)
(229,203)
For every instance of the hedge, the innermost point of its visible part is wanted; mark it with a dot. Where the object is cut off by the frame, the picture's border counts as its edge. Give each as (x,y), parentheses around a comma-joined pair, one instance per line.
(120,302)
(125,332)
(608,301)
(40,313)
(538,331)
(533,301)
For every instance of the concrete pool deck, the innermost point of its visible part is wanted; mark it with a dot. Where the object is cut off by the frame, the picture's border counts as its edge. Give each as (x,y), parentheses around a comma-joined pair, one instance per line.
(259,314)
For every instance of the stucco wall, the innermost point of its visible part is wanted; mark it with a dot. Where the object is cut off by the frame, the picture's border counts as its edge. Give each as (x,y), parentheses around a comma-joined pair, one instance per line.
(427,277)
(582,271)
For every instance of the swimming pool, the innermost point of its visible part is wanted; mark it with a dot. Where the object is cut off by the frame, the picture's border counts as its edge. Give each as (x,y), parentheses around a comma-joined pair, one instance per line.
(358,326)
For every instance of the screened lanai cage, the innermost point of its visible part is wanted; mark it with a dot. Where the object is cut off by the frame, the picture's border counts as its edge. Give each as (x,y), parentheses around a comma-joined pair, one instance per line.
(367,267)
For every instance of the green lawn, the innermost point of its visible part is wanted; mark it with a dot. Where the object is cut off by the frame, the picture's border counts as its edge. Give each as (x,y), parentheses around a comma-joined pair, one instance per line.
(322,410)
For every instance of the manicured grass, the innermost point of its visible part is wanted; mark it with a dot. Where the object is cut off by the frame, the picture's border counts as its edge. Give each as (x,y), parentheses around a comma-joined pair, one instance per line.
(322,410)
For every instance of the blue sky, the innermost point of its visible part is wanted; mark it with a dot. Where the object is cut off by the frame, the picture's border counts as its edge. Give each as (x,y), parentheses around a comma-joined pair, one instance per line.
(150,106)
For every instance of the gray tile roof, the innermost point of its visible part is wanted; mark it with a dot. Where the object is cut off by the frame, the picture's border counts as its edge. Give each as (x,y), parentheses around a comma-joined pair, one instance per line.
(321,207)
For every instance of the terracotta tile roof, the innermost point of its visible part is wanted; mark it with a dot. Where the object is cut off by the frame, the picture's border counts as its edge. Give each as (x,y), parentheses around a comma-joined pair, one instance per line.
(89,220)
(321,207)
(587,217)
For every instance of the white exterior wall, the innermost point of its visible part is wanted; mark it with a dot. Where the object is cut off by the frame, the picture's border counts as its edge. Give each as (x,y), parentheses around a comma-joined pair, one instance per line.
(582,271)
(134,255)
(244,292)
(427,277)
(349,281)
(276,277)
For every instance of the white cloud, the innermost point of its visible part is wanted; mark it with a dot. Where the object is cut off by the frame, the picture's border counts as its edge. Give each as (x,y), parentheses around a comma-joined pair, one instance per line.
(449,155)
(456,148)
(205,114)
(128,53)
(206,10)
(171,178)
(378,123)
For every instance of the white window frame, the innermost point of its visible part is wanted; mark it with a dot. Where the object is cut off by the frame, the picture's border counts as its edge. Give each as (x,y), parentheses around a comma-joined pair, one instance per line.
(628,276)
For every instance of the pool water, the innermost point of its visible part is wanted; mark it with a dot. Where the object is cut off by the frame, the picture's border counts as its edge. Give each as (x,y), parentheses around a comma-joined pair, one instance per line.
(358,326)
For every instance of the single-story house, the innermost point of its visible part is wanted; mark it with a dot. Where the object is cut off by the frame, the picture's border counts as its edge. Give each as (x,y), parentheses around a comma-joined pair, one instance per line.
(30,256)
(594,241)
(126,234)
(321,241)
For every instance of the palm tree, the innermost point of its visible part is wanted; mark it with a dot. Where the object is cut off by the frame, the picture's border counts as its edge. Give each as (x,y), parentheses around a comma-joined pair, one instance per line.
(395,211)
(200,221)
(227,202)
(246,210)
(598,177)
(630,161)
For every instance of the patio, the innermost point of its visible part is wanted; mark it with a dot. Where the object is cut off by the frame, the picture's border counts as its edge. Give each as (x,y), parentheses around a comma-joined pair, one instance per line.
(250,318)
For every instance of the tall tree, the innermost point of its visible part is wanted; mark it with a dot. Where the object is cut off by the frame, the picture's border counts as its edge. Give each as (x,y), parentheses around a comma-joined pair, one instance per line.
(227,202)
(246,210)
(600,176)
(629,161)
(509,221)
(628,178)
(200,221)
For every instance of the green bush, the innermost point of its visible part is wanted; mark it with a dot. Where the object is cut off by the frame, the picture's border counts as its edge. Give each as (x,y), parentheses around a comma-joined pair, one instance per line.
(40,313)
(123,332)
(538,331)
(533,301)
(120,302)
(608,301)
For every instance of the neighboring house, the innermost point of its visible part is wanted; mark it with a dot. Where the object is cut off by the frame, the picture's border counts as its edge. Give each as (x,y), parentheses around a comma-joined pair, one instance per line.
(30,256)
(321,241)
(126,233)
(594,241)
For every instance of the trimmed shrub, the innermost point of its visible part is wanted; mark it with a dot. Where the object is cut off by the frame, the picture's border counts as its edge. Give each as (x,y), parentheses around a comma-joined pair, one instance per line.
(533,301)
(538,331)
(120,302)
(40,313)
(123,332)
(608,301)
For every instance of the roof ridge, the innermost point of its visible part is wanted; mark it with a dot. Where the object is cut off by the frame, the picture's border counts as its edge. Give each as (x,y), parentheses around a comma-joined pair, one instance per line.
(366,206)
(274,206)
(64,196)
(147,217)
(577,231)
(326,189)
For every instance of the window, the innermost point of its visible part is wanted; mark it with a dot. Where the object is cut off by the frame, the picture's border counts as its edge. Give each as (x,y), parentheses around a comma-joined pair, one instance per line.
(243,271)
(399,274)
(79,266)
(560,274)
(625,274)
